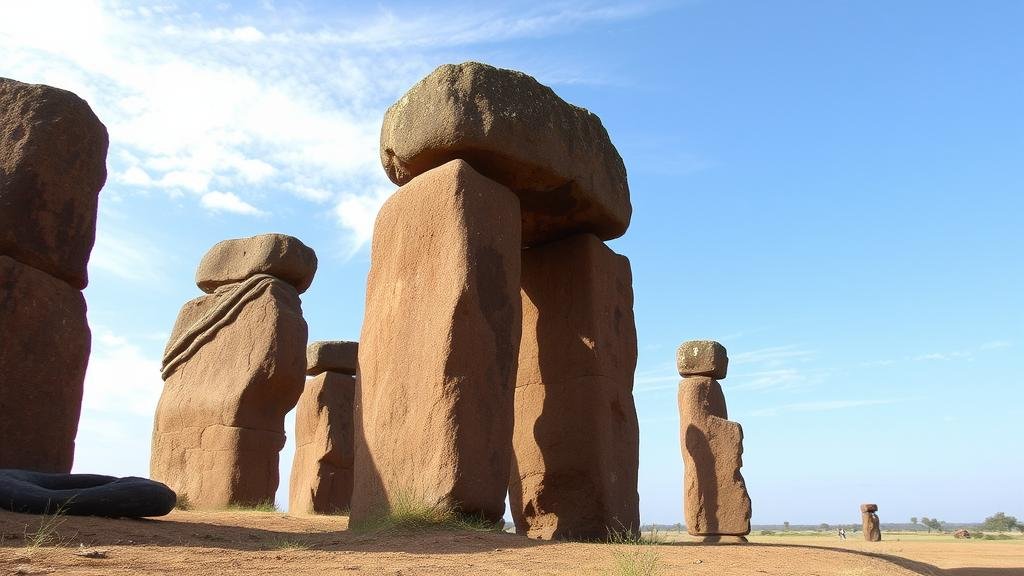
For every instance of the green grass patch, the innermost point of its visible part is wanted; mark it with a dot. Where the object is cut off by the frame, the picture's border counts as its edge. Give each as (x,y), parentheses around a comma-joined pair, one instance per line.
(46,533)
(264,506)
(287,544)
(408,513)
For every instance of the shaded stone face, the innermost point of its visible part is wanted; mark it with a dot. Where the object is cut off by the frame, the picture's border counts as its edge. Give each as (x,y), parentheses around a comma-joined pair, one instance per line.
(220,421)
(44,350)
(702,358)
(872,527)
(714,493)
(321,480)
(332,356)
(437,354)
(284,257)
(556,157)
(576,441)
(53,153)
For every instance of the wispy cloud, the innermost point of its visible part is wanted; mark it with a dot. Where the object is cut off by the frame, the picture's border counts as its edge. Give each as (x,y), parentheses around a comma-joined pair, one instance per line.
(996,345)
(820,406)
(229,202)
(224,114)
(120,379)
(126,254)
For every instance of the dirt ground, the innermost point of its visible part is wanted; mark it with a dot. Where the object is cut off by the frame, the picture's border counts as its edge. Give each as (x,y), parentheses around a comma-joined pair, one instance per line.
(214,543)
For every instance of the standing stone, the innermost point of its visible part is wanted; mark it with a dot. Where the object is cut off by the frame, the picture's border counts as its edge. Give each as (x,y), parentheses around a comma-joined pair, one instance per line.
(716,503)
(437,355)
(44,350)
(556,157)
(53,153)
(576,436)
(871,525)
(321,480)
(332,356)
(234,366)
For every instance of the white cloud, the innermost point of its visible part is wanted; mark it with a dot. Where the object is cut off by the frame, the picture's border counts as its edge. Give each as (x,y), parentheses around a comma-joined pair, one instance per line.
(996,345)
(222,113)
(126,255)
(120,380)
(228,202)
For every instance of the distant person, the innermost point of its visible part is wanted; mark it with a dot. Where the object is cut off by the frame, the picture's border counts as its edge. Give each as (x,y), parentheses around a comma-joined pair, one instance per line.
(842,533)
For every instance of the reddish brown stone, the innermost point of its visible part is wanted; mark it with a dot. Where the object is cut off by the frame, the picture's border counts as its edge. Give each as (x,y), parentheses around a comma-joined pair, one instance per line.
(702,358)
(321,480)
(53,153)
(715,496)
(332,356)
(557,157)
(44,350)
(576,436)
(281,256)
(220,421)
(872,527)
(437,355)
(868,508)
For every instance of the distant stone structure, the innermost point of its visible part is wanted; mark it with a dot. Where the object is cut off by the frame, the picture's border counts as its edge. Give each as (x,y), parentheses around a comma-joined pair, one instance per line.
(233,367)
(53,152)
(872,527)
(321,479)
(498,346)
(715,499)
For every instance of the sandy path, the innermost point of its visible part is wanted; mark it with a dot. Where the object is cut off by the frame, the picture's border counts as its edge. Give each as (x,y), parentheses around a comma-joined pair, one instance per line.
(266,543)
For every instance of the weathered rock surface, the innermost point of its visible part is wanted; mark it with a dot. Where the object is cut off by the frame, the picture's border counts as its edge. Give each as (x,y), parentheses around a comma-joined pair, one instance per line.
(332,356)
(321,480)
(83,495)
(437,355)
(53,153)
(220,420)
(556,157)
(715,496)
(702,358)
(44,349)
(576,436)
(281,256)
(872,527)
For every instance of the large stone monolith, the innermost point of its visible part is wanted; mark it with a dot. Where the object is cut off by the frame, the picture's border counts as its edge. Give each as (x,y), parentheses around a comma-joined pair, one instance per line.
(234,366)
(556,157)
(872,527)
(321,479)
(576,436)
(53,152)
(715,499)
(437,355)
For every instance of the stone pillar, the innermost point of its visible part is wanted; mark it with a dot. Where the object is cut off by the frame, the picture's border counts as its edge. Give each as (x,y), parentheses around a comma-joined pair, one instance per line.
(570,190)
(437,355)
(233,367)
(872,528)
(576,439)
(53,152)
(715,499)
(321,480)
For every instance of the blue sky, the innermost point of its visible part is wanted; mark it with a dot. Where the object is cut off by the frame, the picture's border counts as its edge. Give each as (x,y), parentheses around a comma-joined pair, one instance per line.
(834,190)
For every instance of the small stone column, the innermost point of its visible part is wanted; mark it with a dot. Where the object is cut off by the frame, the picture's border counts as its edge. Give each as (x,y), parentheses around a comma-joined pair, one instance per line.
(53,152)
(872,527)
(715,499)
(321,480)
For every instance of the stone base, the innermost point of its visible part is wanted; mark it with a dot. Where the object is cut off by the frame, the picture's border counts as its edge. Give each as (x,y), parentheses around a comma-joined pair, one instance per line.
(576,438)
(437,355)
(44,350)
(724,539)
